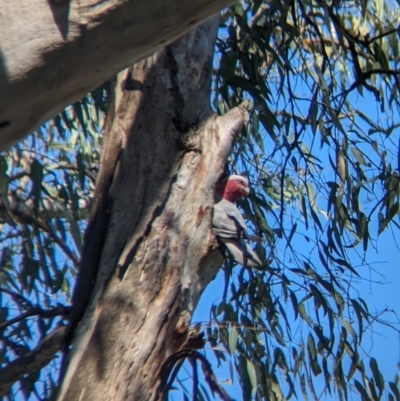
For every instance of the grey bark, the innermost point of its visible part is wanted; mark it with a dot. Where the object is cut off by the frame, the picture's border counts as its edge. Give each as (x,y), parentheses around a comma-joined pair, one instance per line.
(149,245)
(52,52)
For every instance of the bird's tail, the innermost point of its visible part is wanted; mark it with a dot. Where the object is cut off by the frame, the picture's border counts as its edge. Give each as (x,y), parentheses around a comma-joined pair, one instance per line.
(242,252)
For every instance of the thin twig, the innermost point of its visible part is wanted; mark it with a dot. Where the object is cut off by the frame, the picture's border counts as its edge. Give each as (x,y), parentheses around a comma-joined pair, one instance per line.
(42,355)
(210,377)
(195,376)
(368,41)
(46,314)
(46,228)
(17,296)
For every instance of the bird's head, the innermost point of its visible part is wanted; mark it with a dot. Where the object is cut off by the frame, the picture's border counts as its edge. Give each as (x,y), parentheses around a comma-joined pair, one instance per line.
(233,188)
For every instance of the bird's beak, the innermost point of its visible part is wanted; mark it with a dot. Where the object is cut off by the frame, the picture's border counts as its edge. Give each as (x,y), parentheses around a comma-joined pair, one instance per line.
(246,191)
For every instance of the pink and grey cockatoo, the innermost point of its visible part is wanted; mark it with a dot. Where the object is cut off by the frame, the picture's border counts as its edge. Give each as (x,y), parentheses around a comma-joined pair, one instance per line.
(228,224)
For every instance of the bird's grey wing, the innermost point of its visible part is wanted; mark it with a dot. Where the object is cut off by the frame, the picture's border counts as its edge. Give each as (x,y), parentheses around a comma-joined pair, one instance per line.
(227,221)
(229,226)
(233,212)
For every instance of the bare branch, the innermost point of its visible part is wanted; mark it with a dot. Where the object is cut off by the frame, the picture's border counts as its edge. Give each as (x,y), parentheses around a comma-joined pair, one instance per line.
(46,228)
(206,367)
(16,296)
(368,40)
(61,310)
(195,376)
(362,78)
(34,360)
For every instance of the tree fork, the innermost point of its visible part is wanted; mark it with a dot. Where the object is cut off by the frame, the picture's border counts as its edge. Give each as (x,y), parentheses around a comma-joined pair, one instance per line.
(157,257)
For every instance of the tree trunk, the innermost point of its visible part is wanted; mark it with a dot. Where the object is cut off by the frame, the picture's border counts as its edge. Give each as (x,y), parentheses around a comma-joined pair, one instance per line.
(163,153)
(55,51)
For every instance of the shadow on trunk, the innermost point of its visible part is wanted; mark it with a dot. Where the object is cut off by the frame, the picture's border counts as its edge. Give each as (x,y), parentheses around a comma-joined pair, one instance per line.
(149,248)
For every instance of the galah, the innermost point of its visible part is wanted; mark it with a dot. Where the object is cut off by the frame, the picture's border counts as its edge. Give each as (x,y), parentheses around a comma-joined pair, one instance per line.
(228,224)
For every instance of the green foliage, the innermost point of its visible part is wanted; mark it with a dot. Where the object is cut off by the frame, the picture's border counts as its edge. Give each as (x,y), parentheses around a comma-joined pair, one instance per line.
(325,178)
(46,184)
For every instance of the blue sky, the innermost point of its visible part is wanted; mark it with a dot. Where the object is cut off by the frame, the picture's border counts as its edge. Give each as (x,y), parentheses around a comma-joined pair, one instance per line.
(379,289)
(379,270)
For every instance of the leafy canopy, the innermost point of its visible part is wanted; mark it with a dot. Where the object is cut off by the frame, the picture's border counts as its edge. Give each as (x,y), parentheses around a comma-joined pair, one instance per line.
(322,155)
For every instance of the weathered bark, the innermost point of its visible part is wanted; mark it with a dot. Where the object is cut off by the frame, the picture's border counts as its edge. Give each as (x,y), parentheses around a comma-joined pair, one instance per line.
(52,52)
(163,153)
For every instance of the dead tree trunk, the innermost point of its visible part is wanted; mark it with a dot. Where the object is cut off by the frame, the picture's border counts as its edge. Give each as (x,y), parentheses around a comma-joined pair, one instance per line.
(150,240)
